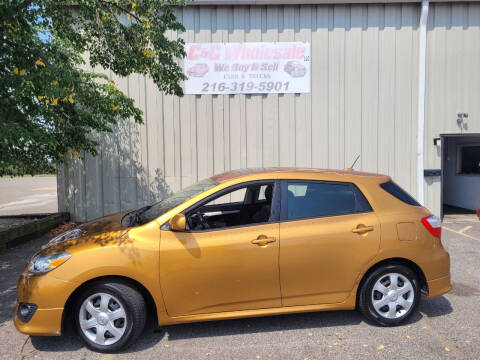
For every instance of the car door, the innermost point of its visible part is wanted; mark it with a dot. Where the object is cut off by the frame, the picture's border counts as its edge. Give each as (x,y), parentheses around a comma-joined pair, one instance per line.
(328,233)
(223,267)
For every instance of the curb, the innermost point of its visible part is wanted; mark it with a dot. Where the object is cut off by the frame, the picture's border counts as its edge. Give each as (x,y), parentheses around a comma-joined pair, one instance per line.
(16,235)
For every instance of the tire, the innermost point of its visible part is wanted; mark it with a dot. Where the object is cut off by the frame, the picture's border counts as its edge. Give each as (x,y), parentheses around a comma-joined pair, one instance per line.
(98,311)
(389,305)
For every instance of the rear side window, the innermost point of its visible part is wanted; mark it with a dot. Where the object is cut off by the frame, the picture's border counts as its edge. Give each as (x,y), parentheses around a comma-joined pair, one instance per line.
(395,190)
(319,199)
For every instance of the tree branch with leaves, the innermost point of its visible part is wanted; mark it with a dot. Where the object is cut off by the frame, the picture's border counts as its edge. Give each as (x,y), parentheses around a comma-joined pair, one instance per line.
(49,103)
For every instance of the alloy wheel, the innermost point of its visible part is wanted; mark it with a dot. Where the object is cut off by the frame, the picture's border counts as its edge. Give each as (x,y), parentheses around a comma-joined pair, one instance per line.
(392,295)
(103,319)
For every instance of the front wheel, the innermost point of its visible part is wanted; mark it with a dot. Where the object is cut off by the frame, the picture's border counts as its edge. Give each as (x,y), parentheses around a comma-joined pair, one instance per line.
(110,316)
(390,295)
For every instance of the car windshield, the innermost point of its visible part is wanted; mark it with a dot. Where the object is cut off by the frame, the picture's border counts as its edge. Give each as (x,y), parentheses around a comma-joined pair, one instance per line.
(176,199)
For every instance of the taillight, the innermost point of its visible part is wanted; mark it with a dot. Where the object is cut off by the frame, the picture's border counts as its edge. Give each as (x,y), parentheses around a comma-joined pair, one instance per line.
(433,225)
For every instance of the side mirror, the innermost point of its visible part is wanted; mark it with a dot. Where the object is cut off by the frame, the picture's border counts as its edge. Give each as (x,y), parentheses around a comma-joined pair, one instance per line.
(177,223)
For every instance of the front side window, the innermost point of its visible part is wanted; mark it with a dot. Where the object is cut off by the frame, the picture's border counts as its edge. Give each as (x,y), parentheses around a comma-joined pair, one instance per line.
(319,199)
(239,206)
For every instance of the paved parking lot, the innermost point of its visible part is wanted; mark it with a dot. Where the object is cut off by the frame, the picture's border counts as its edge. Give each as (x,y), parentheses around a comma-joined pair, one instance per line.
(446,327)
(28,195)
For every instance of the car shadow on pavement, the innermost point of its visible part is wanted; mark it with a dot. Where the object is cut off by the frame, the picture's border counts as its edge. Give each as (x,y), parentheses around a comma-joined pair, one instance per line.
(263,324)
(70,342)
(152,335)
(438,306)
(56,344)
(430,308)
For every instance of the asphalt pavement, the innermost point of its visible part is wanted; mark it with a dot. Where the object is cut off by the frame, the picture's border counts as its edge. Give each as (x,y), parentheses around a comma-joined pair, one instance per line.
(28,195)
(447,327)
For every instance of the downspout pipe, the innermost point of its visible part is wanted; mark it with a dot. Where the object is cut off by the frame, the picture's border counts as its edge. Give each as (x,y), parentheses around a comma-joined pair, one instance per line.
(422,54)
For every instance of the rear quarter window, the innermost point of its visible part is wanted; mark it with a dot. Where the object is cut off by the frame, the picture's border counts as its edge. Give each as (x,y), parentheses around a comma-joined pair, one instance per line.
(396,191)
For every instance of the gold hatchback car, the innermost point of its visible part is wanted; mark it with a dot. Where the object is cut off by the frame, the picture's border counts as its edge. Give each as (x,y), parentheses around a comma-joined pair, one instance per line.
(244,243)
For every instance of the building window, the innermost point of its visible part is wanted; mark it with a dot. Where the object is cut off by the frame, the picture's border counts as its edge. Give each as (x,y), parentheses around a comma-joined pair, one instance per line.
(468,159)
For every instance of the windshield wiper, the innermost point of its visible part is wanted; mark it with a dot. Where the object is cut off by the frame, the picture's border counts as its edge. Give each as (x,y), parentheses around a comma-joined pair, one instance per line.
(139,212)
(134,217)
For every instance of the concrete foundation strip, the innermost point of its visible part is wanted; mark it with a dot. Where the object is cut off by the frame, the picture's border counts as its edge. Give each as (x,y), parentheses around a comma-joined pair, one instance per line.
(15,235)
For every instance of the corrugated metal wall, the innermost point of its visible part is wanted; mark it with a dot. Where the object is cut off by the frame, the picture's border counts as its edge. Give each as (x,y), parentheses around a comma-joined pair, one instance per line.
(363,101)
(453,81)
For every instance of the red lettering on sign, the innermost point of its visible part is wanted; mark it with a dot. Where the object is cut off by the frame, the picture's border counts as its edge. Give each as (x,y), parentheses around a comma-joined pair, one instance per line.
(245,51)
(300,53)
(214,53)
(193,52)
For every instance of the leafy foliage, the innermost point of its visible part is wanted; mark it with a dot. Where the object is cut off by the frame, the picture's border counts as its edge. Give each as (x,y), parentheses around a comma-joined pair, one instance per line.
(49,102)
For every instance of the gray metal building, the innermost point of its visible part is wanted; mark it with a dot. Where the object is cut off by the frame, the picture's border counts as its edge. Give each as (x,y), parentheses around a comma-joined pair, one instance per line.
(377,83)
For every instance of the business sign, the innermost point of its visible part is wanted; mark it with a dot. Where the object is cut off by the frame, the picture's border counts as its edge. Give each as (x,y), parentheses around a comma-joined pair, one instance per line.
(247,68)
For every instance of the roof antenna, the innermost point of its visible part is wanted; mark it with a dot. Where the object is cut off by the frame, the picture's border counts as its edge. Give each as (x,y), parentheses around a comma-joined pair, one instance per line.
(351,167)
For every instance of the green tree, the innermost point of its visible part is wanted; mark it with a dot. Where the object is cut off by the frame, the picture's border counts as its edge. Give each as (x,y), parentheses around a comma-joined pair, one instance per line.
(49,103)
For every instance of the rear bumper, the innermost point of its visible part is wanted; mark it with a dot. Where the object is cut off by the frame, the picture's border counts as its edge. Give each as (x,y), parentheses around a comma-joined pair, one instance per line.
(439,286)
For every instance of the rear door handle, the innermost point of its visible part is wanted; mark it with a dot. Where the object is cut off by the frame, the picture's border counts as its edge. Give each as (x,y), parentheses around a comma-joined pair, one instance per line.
(361,229)
(262,240)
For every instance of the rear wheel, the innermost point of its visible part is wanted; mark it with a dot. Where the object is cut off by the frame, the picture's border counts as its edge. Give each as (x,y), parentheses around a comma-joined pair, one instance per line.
(390,294)
(110,316)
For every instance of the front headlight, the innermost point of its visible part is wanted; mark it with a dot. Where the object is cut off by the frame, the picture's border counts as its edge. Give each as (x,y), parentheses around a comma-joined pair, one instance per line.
(41,264)
(67,235)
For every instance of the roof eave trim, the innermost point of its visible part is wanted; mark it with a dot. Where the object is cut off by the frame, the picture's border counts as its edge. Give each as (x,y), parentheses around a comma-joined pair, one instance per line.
(309,2)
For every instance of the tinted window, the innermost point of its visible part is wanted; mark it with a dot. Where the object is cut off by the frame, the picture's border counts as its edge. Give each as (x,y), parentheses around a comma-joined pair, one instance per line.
(234,196)
(261,193)
(362,204)
(251,204)
(399,193)
(470,159)
(317,199)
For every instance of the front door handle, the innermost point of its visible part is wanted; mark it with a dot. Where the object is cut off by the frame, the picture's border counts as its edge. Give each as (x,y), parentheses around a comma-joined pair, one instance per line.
(263,240)
(362,229)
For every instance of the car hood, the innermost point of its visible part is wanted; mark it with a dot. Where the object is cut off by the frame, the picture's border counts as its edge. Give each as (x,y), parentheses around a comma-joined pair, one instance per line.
(90,233)
(105,224)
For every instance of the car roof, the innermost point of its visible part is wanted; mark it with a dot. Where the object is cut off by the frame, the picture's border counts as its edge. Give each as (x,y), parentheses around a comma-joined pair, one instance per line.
(299,173)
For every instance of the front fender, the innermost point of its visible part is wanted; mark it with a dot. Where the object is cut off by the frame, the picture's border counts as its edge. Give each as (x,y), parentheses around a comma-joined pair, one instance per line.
(134,256)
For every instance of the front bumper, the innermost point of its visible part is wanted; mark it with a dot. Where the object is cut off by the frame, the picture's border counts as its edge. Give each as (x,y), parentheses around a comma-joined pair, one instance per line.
(439,286)
(45,322)
(50,295)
